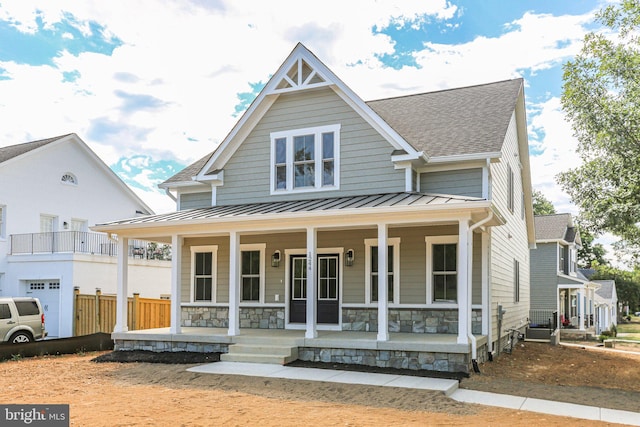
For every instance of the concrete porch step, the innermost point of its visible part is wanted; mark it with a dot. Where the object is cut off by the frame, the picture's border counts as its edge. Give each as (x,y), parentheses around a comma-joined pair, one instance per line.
(260,353)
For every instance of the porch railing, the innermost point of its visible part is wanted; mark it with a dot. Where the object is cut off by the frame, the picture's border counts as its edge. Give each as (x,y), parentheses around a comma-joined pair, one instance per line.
(84,242)
(543,319)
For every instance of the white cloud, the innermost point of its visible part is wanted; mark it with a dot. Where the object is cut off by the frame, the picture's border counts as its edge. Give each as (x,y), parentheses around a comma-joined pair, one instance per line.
(194,57)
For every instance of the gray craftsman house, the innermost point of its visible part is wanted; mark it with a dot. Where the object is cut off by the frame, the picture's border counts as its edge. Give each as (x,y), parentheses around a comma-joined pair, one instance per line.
(277,234)
(561,296)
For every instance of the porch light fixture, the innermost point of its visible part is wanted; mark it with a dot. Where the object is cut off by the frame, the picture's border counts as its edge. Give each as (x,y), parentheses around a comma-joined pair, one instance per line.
(275,259)
(348,259)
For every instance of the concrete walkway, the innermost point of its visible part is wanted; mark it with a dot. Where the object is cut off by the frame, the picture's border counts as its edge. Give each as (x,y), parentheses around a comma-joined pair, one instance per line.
(448,387)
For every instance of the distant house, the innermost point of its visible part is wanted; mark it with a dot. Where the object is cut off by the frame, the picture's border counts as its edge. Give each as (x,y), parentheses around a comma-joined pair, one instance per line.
(606,305)
(561,296)
(278,231)
(51,192)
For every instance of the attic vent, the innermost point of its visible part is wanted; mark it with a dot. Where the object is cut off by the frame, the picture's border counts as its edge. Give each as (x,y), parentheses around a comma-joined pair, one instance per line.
(69,178)
(301,75)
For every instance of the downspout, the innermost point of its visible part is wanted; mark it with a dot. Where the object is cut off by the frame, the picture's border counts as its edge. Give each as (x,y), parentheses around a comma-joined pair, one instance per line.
(474,350)
(170,194)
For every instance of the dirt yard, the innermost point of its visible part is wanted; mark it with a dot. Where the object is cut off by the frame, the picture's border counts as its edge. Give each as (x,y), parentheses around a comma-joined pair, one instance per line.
(148,394)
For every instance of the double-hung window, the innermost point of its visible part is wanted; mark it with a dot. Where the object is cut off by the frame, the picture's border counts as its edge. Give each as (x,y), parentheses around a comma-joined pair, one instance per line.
(442,268)
(305,159)
(252,272)
(373,272)
(203,268)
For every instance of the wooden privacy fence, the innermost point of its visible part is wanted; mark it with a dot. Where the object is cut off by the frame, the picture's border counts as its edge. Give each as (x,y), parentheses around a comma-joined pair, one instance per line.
(97,313)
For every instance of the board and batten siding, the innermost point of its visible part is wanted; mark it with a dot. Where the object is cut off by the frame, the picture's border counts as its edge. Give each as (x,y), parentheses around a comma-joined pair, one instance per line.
(195,200)
(544,276)
(509,242)
(463,182)
(365,157)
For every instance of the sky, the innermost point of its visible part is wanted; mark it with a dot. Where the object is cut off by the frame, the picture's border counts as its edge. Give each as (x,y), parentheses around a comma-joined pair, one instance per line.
(152,85)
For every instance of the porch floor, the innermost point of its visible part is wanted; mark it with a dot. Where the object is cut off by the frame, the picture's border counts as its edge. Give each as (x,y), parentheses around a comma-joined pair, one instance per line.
(440,343)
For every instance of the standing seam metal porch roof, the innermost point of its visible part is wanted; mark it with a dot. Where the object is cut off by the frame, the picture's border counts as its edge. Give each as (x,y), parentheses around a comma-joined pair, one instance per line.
(253,210)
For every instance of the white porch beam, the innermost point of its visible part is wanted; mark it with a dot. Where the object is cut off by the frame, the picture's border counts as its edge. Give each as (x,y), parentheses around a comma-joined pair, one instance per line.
(463,272)
(383,289)
(312,292)
(581,305)
(234,284)
(176,274)
(122,285)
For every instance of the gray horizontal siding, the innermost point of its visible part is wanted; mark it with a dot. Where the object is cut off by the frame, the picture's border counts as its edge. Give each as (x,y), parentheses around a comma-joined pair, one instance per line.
(365,157)
(195,200)
(465,182)
(544,276)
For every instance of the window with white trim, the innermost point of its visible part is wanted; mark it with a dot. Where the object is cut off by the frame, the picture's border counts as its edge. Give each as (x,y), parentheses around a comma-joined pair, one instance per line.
(305,159)
(372,272)
(516,281)
(252,272)
(442,269)
(3,222)
(203,273)
(69,178)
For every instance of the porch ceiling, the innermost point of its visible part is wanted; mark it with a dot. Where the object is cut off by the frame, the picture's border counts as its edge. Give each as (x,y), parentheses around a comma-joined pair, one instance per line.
(352,211)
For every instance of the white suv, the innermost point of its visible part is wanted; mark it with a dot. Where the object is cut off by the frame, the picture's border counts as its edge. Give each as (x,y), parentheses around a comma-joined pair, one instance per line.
(21,320)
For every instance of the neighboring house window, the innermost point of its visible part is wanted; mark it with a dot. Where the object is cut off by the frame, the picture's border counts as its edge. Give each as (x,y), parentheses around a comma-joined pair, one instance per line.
(69,178)
(516,281)
(373,273)
(562,259)
(305,159)
(47,223)
(572,261)
(79,225)
(203,268)
(3,222)
(252,272)
(442,268)
(510,188)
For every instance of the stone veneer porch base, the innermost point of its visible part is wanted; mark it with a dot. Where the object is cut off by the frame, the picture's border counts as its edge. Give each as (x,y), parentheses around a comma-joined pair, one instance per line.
(329,352)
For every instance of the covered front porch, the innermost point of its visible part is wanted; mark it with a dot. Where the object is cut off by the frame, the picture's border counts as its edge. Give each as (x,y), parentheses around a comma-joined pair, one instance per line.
(439,352)
(577,310)
(313,270)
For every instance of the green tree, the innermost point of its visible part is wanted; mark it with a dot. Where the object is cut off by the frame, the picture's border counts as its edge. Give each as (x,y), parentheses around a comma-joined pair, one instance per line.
(542,205)
(627,284)
(601,95)
(590,253)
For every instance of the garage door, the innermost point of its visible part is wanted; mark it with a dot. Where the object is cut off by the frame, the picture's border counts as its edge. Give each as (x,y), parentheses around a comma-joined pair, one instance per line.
(48,292)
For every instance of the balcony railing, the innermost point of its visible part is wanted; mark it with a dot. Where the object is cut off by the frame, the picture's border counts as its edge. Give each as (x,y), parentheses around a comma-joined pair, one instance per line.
(84,242)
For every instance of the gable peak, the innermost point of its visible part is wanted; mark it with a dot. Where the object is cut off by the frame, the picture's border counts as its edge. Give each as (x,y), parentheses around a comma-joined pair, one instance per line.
(302,70)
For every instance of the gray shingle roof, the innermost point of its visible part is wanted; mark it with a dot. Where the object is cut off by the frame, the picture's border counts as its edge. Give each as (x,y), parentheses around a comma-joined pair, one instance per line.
(187,173)
(466,120)
(606,288)
(458,121)
(554,227)
(12,151)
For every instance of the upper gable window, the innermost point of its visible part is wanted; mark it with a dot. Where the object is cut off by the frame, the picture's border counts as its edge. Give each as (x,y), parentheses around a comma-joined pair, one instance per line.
(305,159)
(69,178)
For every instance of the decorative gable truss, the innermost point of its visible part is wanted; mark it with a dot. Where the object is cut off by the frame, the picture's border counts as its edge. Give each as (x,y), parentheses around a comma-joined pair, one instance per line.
(301,75)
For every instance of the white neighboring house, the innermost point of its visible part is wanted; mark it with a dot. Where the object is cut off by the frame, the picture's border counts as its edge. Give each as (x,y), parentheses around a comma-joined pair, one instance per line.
(606,299)
(51,192)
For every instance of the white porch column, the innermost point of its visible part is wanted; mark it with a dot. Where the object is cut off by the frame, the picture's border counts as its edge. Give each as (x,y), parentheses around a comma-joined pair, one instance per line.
(312,287)
(176,274)
(122,286)
(383,278)
(463,294)
(486,297)
(234,284)
(581,304)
